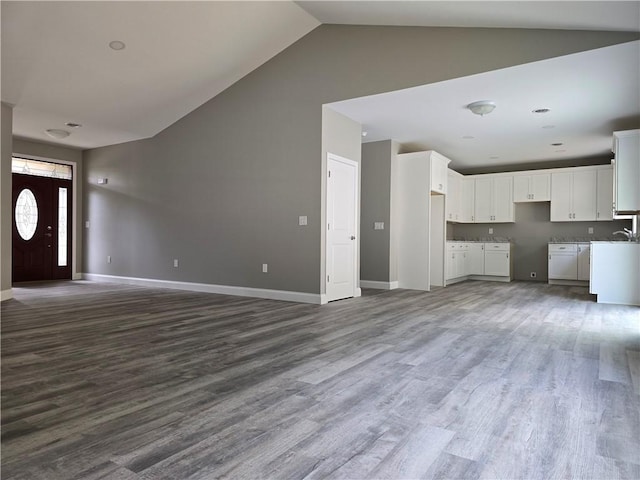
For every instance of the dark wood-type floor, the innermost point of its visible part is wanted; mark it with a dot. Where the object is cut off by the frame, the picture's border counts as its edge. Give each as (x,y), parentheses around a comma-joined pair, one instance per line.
(478,380)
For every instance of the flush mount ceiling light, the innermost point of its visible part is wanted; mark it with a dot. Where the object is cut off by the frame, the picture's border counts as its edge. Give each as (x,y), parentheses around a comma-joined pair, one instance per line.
(73,125)
(116,45)
(482,107)
(541,110)
(57,133)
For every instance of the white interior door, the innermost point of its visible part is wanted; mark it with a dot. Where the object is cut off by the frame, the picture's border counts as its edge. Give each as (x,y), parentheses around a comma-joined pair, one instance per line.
(342,194)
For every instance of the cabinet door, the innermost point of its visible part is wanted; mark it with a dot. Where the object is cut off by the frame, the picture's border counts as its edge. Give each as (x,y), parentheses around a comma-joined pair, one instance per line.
(475,259)
(627,152)
(496,263)
(503,199)
(561,187)
(483,200)
(604,195)
(583,261)
(521,188)
(467,200)
(584,196)
(540,187)
(438,174)
(563,266)
(450,260)
(452,199)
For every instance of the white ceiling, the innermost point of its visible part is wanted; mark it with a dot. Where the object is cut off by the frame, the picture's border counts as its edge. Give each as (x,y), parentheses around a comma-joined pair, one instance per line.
(563,14)
(57,66)
(589,94)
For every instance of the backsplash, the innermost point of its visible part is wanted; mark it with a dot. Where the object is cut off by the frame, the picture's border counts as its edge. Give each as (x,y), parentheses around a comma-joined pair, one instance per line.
(532,232)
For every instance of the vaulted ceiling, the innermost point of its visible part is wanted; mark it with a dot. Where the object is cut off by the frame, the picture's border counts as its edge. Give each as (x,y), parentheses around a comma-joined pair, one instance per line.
(58,67)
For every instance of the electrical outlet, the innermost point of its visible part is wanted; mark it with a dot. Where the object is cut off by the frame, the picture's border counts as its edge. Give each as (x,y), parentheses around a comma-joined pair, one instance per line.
(108,258)
(590,230)
(87,224)
(265,268)
(533,274)
(302,220)
(490,231)
(175,263)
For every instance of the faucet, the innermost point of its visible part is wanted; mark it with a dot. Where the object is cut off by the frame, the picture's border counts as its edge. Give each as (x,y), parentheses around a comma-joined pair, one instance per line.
(627,233)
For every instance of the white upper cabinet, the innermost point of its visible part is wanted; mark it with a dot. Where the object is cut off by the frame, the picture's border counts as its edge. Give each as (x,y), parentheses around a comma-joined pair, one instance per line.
(439,171)
(532,187)
(573,195)
(493,199)
(467,200)
(452,202)
(604,194)
(626,147)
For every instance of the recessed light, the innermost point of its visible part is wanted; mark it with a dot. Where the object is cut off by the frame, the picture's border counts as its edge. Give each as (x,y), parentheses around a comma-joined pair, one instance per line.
(468,137)
(541,110)
(57,133)
(560,151)
(494,157)
(116,45)
(73,124)
(548,126)
(557,144)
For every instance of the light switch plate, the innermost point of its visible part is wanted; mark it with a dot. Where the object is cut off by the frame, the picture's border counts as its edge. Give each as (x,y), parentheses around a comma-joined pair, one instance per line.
(265,268)
(590,230)
(302,220)
(490,231)
(378,225)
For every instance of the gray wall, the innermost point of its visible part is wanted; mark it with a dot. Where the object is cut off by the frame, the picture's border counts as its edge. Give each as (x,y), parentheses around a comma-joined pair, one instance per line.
(376,207)
(46,151)
(531,233)
(6,125)
(221,188)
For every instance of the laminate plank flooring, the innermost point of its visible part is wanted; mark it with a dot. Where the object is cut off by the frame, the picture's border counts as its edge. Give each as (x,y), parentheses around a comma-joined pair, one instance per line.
(478,380)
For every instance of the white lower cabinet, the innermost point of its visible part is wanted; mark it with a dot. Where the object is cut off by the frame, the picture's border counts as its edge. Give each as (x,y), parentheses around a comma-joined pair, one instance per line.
(584,267)
(497,259)
(568,262)
(475,260)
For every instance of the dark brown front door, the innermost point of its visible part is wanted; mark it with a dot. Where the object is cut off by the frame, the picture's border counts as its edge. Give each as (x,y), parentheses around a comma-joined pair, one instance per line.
(40,250)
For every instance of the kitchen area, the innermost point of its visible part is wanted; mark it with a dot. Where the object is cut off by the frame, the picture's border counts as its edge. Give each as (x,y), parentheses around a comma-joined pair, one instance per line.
(573,226)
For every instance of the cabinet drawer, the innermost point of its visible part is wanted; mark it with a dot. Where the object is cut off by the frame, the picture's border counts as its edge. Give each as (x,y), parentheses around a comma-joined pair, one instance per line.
(563,248)
(497,247)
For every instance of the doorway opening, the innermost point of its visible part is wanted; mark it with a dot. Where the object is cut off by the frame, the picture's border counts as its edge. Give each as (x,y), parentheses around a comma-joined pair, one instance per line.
(41,220)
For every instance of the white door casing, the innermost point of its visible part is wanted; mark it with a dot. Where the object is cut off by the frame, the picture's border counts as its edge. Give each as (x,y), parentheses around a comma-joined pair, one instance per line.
(342,244)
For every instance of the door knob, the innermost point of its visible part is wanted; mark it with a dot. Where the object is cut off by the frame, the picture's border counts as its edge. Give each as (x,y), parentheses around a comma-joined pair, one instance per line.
(352,237)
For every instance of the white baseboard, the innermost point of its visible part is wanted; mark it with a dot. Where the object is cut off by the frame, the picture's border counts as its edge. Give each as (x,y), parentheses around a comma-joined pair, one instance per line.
(378,285)
(76,276)
(300,297)
(6,295)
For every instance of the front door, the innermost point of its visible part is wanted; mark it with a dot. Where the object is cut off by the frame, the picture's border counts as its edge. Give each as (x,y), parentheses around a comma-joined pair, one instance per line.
(41,234)
(342,194)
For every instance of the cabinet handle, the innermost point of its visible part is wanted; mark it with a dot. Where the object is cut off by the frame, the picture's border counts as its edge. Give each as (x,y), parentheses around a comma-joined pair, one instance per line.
(598,215)
(549,257)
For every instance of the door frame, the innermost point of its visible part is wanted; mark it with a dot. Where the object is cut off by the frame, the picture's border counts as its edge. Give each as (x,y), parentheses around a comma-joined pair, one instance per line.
(76,184)
(356,254)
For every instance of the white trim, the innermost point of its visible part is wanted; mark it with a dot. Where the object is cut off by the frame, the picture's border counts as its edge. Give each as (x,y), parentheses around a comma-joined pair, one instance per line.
(569,283)
(6,294)
(378,285)
(300,297)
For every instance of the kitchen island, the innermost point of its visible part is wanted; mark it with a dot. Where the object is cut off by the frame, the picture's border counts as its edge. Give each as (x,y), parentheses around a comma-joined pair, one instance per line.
(615,272)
